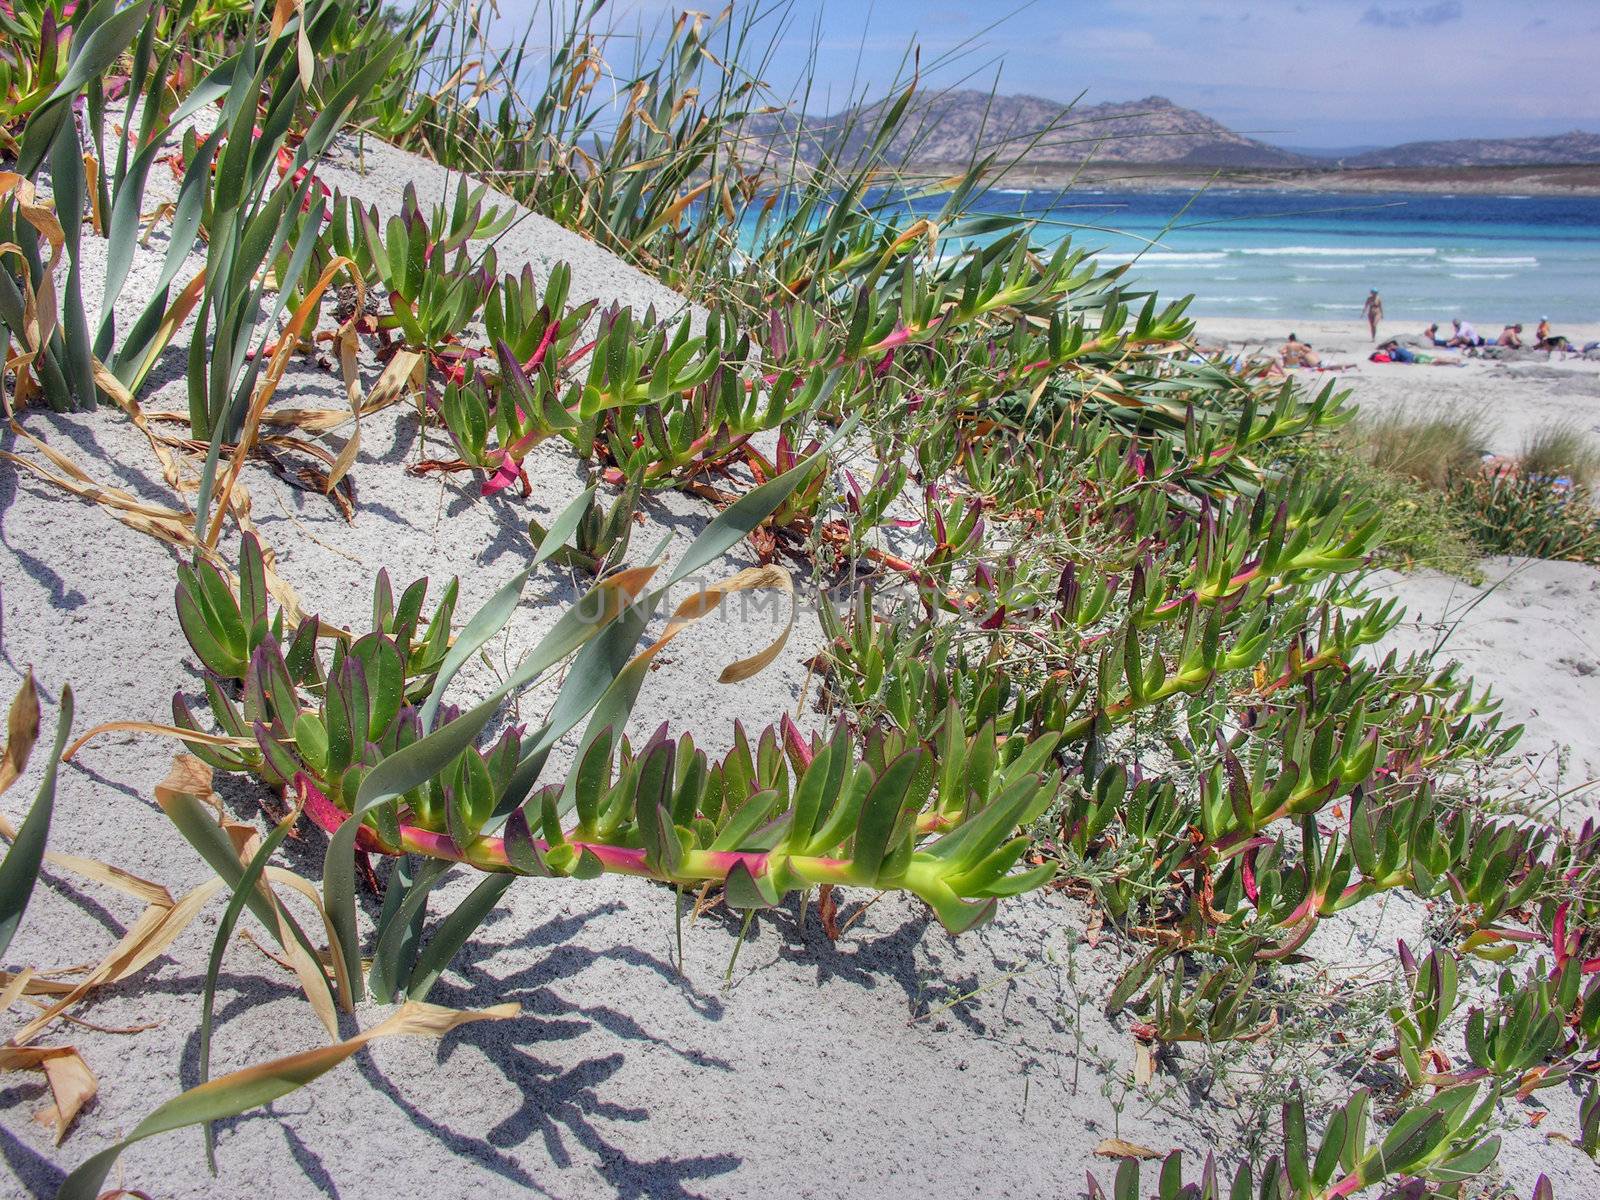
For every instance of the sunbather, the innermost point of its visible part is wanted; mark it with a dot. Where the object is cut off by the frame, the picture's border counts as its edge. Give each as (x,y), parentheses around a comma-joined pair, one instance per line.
(1295,353)
(1431,333)
(1511,337)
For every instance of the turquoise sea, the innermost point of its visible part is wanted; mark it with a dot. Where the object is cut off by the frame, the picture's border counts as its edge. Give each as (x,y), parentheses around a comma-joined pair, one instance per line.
(1490,259)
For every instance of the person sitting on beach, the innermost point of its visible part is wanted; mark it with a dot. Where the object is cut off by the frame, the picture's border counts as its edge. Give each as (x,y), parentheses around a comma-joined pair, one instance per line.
(1511,337)
(1296,353)
(1431,333)
(1465,334)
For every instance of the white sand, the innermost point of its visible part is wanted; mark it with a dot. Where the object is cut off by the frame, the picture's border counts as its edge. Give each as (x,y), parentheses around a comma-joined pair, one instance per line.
(1515,397)
(823,1071)
(1531,630)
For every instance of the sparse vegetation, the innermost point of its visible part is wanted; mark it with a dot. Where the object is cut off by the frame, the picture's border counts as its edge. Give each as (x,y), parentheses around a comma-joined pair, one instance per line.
(1126,653)
(1560,451)
(1444,506)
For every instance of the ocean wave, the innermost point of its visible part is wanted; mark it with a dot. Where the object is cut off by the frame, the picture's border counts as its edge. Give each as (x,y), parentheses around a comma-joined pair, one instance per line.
(1346,251)
(1473,260)
(1159,257)
(1480,275)
(1339,307)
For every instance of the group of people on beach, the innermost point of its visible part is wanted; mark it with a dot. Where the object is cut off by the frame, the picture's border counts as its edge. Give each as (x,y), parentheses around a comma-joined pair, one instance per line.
(1464,337)
(1461,336)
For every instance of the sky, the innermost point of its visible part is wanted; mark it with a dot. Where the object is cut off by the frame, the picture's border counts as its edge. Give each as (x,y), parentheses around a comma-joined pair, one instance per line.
(1303,73)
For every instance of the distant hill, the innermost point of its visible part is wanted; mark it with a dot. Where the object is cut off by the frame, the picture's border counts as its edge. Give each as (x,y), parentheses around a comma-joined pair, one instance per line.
(954,125)
(951,127)
(1565,148)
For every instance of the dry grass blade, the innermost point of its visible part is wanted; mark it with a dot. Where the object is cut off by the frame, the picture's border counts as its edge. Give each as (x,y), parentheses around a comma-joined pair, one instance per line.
(28,982)
(123,398)
(72,1084)
(153,931)
(352,386)
(288,342)
(22,731)
(39,304)
(167,525)
(1117,1148)
(403,374)
(706,601)
(151,727)
(92,868)
(177,313)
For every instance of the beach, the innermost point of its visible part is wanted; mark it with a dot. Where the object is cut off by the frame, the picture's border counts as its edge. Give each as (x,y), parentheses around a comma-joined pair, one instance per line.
(1514,396)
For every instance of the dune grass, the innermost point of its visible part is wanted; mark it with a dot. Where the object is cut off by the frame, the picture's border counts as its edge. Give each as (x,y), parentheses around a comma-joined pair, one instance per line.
(1426,448)
(1559,450)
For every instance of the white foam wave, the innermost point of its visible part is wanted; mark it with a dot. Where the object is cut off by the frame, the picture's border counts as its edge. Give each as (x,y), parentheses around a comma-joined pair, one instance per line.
(1481,275)
(1164,256)
(1474,260)
(1346,251)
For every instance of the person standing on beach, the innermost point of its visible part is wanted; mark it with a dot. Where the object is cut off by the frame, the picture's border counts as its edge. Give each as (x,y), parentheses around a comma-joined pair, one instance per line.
(1373,311)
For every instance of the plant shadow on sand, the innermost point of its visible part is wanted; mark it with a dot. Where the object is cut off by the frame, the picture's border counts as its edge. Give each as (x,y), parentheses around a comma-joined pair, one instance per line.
(558,1101)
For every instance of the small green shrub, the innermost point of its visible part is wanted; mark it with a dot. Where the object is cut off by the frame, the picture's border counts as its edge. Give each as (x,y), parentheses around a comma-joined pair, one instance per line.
(1526,515)
(1419,526)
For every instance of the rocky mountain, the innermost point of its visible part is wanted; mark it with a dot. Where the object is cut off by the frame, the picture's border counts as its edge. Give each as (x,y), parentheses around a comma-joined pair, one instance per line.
(1566,148)
(950,126)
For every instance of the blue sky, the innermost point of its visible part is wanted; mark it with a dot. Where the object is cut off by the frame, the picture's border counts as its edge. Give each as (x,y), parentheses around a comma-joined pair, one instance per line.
(1296,72)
